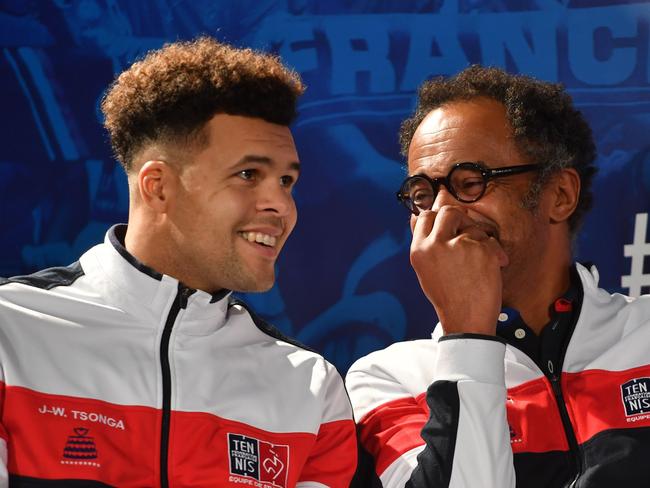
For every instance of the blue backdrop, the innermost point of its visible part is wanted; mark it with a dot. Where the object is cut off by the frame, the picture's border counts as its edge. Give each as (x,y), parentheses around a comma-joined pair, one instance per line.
(345,285)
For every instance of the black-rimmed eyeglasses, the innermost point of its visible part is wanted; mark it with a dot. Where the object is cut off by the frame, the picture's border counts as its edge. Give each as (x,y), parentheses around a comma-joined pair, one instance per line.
(465,181)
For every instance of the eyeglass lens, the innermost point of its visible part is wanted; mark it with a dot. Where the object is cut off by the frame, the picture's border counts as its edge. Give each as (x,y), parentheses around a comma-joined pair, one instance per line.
(464,183)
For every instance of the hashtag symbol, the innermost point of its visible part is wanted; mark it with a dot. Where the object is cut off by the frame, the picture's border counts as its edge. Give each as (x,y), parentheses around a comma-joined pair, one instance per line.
(638,251)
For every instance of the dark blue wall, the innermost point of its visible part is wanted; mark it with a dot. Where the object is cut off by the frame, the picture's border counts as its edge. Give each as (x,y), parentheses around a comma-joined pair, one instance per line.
(345,285)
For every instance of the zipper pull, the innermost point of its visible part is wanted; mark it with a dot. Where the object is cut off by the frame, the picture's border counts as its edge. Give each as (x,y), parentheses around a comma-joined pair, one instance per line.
(183,294)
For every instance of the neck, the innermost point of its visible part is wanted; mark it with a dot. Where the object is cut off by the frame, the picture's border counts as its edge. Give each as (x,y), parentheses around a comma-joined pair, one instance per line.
(138,243)
(537,291)
(155,245)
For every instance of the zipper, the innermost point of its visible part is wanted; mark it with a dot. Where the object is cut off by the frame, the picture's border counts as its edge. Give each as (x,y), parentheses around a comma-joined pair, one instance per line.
(574,449)
(553,371)
(180,302)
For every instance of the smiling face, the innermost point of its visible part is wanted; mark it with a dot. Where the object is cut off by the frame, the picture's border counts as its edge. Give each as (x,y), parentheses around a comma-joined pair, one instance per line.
(478,131)
(233,208)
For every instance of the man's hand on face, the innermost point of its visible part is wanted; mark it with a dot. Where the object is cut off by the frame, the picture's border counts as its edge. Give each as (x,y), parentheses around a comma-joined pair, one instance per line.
(458,264)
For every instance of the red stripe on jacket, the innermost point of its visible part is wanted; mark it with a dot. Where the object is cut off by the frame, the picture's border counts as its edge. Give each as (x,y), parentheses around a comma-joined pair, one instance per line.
(597,401)
(56,436)
(594,400)
(393,428)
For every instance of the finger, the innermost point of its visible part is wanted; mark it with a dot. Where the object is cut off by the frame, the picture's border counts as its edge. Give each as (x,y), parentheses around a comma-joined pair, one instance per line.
(449,221)
(423,225)
(490,247)
(473,232)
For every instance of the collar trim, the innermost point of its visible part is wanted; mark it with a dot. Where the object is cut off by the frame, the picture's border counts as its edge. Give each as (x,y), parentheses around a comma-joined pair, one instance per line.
(116,235)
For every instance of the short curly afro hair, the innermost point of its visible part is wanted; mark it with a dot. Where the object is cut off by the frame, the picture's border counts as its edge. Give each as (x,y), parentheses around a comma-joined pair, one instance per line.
(546,126)
(170,94)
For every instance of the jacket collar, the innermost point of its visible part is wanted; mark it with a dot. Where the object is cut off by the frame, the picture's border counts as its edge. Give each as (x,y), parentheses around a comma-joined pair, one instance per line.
(583,277)
(129,284)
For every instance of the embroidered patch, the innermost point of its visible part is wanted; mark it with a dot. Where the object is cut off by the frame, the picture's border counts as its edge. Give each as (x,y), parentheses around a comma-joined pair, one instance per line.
(80,449)
(636,397)
(257,463)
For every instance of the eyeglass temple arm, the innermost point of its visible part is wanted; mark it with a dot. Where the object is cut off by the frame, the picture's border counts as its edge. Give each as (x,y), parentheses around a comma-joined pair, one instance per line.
(512,170)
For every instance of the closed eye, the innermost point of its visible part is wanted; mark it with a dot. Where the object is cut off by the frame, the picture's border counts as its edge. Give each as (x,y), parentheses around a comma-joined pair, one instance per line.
(470,183)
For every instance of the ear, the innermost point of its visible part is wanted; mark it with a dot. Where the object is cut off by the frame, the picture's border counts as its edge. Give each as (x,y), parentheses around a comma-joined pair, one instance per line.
(157,183)
(564,195)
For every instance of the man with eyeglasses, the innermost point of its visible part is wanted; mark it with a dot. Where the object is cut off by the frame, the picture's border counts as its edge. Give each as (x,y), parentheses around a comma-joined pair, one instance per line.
(534,376)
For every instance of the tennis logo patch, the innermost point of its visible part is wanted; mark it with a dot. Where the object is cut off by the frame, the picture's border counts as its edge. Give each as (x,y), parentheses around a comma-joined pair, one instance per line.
(257,463)
(636,397)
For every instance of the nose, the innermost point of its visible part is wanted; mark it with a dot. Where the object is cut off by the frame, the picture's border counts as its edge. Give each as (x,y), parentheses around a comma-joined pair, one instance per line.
(444,197)
(275,198)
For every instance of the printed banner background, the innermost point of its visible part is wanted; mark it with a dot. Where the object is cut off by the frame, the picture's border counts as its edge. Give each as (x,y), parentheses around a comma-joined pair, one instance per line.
(345,285)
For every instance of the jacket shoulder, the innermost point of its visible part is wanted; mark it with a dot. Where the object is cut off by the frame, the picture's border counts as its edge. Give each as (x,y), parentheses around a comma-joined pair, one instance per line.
(267,328)
(398,358)
(402,370)
(49,278)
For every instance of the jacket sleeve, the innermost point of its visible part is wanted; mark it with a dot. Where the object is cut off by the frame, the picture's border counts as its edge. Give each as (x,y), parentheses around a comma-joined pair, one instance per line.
(333,459)
(453,433)
(4,475)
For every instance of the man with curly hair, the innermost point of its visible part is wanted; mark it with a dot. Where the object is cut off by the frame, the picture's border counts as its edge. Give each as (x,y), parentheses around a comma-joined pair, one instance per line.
(135,366)
(534,377)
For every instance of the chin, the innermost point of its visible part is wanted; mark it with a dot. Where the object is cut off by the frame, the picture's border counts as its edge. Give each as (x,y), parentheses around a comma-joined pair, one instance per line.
(260,287)
(263,288)
(252,289)
(255,284)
